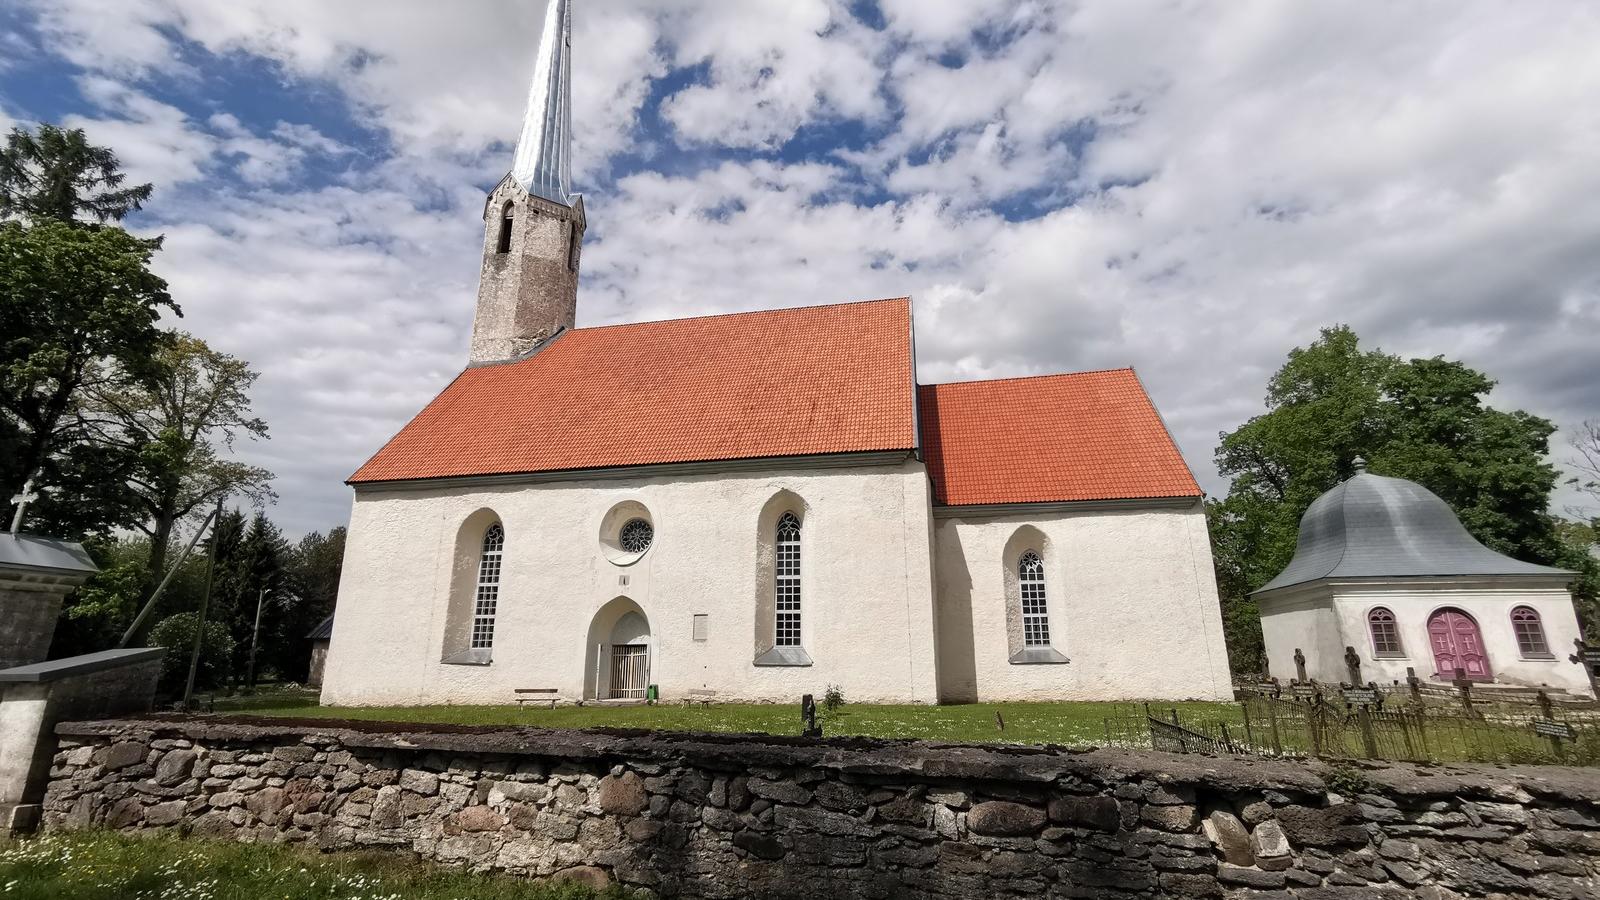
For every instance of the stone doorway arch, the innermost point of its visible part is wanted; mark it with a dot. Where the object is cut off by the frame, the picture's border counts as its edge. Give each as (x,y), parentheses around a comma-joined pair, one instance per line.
(620,652)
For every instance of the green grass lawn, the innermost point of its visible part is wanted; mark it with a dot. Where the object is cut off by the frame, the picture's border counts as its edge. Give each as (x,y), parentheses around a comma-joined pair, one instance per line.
(108,866)
(1072,724)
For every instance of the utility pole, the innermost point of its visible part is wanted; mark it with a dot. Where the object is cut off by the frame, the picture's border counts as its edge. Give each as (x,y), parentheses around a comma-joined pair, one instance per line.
(205,606)
(255,638)
(150,605)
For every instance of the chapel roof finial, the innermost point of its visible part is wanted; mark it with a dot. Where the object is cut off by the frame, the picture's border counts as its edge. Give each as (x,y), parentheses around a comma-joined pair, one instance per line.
(543,164)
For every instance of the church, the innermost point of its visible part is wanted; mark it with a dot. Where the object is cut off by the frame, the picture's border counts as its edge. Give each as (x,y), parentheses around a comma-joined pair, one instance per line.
(756,506)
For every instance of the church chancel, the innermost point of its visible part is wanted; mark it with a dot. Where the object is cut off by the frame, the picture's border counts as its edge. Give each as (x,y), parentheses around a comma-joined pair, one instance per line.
(756,506)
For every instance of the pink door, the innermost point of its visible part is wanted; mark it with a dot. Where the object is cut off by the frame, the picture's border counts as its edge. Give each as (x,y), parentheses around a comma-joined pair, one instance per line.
(1457,644)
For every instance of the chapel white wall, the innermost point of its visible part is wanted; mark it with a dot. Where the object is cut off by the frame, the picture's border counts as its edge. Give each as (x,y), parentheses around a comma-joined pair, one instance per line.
(1132,599)
(1302,620)
(1489,603)
(868,616)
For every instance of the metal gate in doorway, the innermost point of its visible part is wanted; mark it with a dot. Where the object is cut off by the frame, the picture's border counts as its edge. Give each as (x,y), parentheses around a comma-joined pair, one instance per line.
(630,671)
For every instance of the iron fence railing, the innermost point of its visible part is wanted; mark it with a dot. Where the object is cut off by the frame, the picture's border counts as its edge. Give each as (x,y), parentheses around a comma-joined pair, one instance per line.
(1346,722)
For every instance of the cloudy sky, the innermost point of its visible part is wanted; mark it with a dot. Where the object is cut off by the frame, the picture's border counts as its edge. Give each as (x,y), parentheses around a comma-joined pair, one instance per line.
(1189,188)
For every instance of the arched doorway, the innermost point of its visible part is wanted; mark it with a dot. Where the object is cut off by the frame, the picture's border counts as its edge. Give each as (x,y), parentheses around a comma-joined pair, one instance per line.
(1457,644)
(619,654)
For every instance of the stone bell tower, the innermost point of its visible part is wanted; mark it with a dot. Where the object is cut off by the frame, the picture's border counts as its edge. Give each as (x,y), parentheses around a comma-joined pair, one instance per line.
(533,223)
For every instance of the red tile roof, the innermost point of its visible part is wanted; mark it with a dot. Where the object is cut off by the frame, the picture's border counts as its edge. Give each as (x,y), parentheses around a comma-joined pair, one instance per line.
(821,379)
(1085,436)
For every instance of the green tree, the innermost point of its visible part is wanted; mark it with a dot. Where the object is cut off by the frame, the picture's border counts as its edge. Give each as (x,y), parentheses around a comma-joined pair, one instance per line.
(252,558)
(70,299)
(314,567)
(176,418)
(55,177)
(1421,419)
(176,634)
(55,174)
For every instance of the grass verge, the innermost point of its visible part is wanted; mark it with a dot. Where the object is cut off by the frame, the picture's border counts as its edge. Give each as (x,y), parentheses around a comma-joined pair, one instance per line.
(1069,724)
(109,866)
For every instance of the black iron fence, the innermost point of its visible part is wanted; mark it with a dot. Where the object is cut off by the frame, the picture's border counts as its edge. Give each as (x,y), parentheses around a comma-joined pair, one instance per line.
(1350,722)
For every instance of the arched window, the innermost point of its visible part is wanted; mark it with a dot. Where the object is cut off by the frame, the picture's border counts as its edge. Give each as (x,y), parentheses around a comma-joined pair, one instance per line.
(487,597)
(1529,629)
(787,570)
(1035,614)
(1385,633)
(507,216)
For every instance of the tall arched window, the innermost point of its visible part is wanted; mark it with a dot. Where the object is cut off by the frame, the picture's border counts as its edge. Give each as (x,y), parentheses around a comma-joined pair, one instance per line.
(1525,622)
(487,597)
(787,570)
(507,216)
(1385,633)
(1035,613)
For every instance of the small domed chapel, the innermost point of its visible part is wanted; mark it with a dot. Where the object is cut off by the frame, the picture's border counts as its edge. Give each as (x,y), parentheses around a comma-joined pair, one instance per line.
(756,506)
(1384,567)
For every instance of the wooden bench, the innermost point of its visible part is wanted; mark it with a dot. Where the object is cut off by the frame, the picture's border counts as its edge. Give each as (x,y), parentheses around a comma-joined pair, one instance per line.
(537,695)
(702,696)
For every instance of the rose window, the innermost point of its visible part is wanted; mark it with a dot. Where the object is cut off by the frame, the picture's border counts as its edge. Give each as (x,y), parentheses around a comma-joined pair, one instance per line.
(636,536)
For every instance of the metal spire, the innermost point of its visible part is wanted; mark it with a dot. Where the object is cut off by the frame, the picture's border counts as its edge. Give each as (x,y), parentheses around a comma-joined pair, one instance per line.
(543,165)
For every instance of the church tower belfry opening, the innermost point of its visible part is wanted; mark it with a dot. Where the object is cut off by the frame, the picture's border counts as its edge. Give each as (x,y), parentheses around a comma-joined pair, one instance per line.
(533,223)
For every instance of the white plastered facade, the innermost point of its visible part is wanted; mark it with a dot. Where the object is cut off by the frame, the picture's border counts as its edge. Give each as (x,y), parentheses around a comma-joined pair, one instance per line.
(1131,597)
(867,613)
(898,606)
(1322,618)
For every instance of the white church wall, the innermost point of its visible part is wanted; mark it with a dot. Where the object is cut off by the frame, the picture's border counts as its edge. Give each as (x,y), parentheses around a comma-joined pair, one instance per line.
(1131,596)
(867,609)
(1489,602)
(1302,619)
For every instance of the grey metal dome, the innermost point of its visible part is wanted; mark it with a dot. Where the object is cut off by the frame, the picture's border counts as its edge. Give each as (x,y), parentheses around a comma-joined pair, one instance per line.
(1371,526)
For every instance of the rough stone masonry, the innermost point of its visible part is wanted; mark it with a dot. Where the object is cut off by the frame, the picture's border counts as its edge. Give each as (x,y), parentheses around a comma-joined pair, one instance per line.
(728,816)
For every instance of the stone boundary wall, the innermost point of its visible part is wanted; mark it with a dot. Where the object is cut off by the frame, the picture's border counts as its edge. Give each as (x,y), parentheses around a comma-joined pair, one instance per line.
(724,816)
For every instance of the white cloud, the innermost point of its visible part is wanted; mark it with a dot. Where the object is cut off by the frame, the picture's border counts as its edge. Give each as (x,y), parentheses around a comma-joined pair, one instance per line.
(1242,174)
(154,141)
(775,66)
(942,21)
(308,138)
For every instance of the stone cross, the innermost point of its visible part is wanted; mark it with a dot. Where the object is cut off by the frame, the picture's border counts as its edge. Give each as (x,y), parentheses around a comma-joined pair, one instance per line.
(1352,665)
(1464,685)
(1591,669)
(1299,665)
(22,500)
(1414,683)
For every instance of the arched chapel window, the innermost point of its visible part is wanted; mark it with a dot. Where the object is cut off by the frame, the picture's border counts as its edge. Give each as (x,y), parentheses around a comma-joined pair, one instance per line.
(487,598)
(787,594)
(1035,613)
(1385,633)
(507,217)
(1529,629)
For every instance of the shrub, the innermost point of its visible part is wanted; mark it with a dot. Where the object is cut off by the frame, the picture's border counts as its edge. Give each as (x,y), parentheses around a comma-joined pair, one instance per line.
(832,698)
(176,634)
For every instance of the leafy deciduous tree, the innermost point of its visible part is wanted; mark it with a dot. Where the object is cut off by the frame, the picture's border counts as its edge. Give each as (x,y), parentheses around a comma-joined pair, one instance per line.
(176,419)
(70,299)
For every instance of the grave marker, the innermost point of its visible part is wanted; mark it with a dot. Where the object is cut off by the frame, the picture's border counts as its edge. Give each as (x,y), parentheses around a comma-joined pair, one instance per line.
(1589,658)
(808,717)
